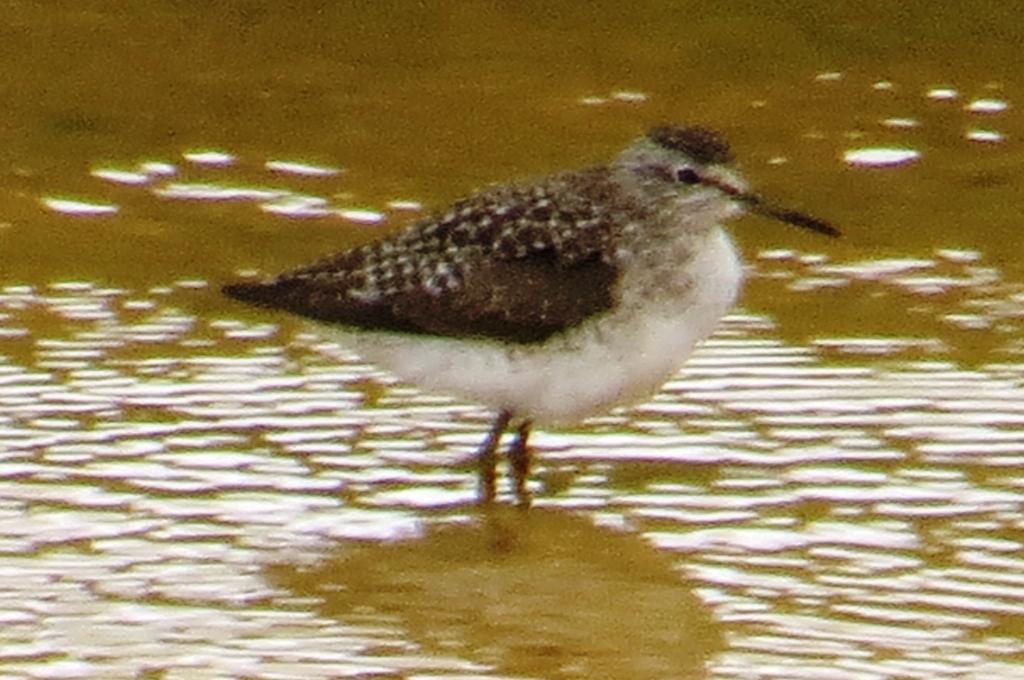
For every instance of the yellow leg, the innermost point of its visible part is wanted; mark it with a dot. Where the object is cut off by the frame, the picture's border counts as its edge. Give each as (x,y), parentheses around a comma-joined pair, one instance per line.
(519,458)
(487,459)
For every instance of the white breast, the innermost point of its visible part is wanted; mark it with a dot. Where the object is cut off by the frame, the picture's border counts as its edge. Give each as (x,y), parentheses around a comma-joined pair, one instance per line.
(618,358)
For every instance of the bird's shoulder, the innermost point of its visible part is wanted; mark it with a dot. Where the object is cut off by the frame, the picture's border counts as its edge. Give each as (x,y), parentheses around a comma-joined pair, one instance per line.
(571,215)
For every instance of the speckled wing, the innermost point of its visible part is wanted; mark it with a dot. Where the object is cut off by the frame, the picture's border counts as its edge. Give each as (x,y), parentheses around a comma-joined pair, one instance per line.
(515,263)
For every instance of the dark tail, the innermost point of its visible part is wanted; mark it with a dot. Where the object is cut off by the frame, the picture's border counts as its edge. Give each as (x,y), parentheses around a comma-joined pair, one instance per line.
(284,294)
(260,293)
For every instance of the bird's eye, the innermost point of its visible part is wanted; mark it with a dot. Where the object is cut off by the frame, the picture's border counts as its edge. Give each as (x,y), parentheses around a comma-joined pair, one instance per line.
(687,176)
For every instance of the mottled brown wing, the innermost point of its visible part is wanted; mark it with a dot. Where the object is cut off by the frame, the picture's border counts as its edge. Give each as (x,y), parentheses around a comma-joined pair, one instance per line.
(518,264)
(524,300)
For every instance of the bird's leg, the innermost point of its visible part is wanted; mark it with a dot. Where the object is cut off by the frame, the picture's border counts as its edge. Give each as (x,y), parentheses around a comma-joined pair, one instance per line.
(519,459)
(486,458)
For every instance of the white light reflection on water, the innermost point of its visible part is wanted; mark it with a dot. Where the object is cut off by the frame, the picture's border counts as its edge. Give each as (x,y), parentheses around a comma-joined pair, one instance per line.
(209,191)
(118,176)
(987,106)
(942,93)
(297,206)
(985,136)
(268,199)
(301,168)
(211,157)
(835,519)
(880,157)
(77,208)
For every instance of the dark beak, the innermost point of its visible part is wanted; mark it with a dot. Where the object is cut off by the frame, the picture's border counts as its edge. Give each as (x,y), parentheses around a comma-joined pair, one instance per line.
(757,205)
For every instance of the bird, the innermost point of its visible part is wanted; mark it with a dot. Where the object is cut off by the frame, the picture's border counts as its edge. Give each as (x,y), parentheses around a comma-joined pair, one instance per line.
(548,301)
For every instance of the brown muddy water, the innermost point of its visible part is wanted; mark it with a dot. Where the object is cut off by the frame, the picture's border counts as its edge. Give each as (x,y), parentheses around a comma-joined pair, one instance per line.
(831,488)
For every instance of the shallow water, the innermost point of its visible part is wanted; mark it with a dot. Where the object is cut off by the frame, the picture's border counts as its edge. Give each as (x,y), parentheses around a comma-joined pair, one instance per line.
(832,487)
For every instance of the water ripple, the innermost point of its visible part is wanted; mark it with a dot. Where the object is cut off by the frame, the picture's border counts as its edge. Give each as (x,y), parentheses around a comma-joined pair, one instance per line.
(854,518)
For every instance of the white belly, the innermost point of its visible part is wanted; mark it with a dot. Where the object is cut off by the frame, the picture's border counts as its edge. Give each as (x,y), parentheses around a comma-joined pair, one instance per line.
(618,358)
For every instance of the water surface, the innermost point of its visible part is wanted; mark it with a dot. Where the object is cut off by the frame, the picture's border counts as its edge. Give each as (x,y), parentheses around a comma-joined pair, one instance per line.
(830,488)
